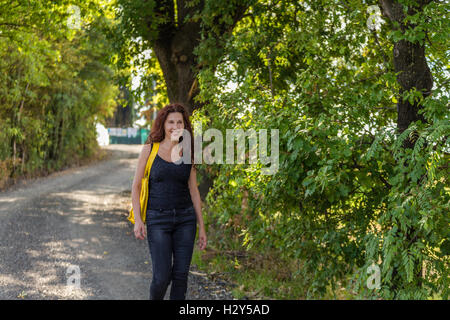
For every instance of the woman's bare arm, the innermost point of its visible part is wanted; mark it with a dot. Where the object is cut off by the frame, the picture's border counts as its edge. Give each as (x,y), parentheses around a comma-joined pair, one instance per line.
(195,197)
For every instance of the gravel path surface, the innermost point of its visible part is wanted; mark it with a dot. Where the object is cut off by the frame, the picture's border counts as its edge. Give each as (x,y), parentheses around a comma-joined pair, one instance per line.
(75,220)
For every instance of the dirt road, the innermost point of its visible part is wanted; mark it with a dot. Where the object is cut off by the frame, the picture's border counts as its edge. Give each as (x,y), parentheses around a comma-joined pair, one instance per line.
(74,223)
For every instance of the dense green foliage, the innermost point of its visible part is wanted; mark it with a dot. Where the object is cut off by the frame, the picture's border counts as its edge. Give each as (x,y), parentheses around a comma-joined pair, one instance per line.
(347,194)
(55,83)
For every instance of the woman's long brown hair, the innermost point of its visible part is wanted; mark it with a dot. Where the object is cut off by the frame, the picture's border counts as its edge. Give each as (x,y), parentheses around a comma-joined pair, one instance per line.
(157,133)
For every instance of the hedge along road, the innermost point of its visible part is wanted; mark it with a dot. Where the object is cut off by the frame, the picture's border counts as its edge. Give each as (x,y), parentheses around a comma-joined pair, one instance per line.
(72,223)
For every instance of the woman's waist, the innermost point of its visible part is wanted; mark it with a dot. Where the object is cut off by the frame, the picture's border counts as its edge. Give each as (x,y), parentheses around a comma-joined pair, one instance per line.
(169,202)
(172,190)
(185,208)
(170,196)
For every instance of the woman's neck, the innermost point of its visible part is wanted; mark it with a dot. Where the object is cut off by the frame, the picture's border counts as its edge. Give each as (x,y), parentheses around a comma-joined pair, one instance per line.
(169,144)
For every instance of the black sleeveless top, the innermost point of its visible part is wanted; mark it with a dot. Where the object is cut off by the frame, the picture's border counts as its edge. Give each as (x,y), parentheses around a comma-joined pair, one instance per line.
(168,185)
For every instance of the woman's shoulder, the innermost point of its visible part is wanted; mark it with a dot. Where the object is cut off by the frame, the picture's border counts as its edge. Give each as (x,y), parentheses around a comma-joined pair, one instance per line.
(146,149)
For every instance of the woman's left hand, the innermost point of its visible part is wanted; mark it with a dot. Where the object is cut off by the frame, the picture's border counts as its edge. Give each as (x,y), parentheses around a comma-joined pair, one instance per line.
(202,239)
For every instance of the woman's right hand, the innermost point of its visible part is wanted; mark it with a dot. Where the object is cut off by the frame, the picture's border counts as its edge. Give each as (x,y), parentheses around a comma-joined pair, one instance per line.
(140,231)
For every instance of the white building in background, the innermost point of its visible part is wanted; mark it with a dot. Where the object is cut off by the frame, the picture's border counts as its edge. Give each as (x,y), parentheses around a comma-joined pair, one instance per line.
(102,135)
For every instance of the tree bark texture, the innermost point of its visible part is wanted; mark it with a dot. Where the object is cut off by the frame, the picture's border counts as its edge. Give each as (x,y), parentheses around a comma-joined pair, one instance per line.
(410,64)
(174,49)
(413,72)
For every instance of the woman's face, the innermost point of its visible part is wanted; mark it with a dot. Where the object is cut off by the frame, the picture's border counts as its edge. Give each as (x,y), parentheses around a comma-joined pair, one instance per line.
(174,124)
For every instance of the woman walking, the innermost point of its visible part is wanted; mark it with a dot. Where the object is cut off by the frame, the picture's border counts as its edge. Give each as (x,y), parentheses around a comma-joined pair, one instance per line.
(174,206)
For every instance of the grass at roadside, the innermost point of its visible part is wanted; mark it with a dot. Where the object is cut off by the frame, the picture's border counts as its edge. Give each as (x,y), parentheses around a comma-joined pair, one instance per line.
(254,275)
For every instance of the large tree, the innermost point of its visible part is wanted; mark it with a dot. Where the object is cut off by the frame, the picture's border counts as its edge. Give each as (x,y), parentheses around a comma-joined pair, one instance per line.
(408,20)
(409,61)
(172,30)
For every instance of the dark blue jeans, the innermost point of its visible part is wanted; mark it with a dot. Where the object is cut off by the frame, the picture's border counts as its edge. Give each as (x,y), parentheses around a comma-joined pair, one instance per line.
(170,233)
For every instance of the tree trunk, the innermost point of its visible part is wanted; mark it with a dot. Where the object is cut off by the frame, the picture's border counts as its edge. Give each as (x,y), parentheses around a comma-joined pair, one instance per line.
(176,58)
(413,72)
(410,63)
(175,44)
